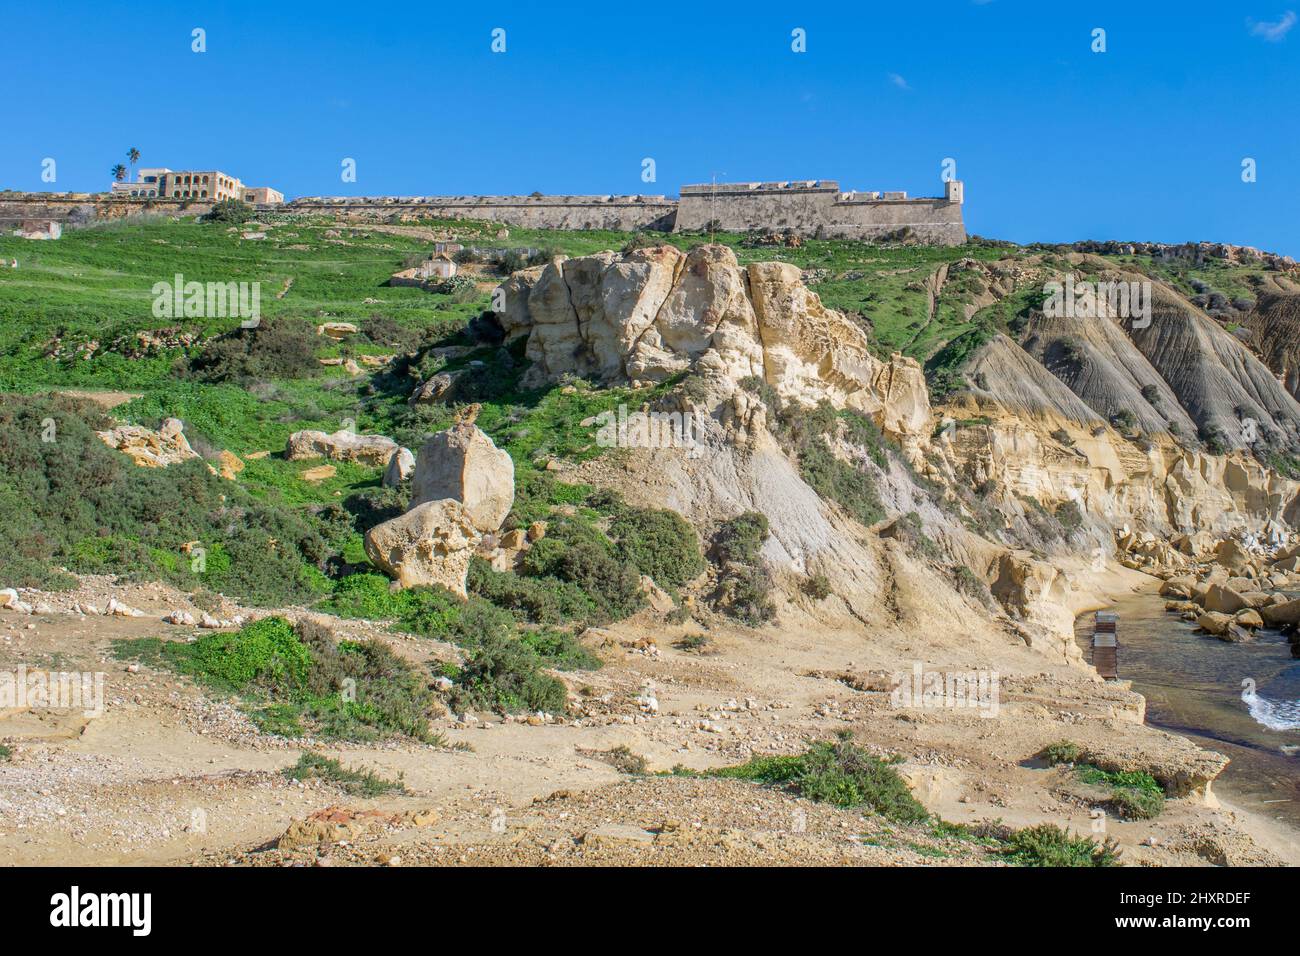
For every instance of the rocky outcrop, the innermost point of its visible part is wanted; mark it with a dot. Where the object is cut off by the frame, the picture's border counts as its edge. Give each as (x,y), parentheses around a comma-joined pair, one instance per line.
(343,445)
(650,314)
(148,448)
(463,464)
(401,466)
(462,488)
(430,544)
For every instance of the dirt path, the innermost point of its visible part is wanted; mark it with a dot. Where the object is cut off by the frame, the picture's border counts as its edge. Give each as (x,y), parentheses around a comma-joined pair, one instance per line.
(167,773)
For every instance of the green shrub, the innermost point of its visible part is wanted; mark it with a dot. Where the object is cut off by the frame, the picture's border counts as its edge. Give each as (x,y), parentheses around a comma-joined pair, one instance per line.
(356,783)
(560,649)
(1049,845)
(625,760)
(817,587)
(1063,751)
(838,772)
(661,544)
(740,538)
(505,675)
(745,594)
(1070,515)
(971,584)
(348,690)
(850,487)
(1124,420)
(73,501)
(1137,804)
(230,210)
(280,348)
(266,652)
(693,643)
(541,598)
(910,530)
(429,611)
(577,553)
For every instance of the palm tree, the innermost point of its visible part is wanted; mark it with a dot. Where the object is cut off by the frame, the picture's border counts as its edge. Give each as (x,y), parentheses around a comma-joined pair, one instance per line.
(118,172)
(133,155)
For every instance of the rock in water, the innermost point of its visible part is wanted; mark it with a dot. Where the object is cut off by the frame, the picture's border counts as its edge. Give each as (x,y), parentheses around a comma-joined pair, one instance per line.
(463,464)
(430,544)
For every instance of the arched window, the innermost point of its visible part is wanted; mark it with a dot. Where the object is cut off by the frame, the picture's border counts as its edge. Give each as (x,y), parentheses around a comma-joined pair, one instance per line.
(205,194)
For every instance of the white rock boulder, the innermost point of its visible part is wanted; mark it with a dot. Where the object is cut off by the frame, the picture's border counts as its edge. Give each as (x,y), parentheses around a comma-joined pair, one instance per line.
(463,464)
(430,544)
(342,445)
(400,467)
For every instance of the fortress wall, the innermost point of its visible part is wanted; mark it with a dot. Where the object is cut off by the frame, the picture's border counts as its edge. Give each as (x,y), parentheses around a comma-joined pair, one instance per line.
(621,213)
(808,210)
(79,209)
(801,210)
(934,221)
(819,211)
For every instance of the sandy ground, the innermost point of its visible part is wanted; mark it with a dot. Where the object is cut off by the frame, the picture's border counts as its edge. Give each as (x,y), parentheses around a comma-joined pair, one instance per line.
(167,774)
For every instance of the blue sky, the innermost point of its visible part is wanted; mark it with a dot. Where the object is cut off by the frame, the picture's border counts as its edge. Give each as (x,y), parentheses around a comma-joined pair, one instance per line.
(1054,142)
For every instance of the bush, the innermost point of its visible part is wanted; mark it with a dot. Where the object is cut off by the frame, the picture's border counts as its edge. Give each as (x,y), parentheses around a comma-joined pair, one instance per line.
(1124,420)
(661,544)
(971,584)
(625,760)
(910,530)
(745,594)
(266,652)
(1134,804)
(578,553)
(282,348)
(347,690)
(744,588)
(356,783)
(841,773)
(817,587)
(1070,515)
(430,611)
(1062,752)
(740,538)
(560,649)
(850,487)
(230,210)
(505,675)
(75,502)
(1049,845)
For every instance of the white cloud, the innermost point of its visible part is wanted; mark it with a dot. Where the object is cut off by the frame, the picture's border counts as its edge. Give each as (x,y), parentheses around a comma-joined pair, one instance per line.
(898,81)
(1273,32)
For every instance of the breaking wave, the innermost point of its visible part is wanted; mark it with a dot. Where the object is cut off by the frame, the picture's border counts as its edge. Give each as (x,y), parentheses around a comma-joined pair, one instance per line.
(1273,714)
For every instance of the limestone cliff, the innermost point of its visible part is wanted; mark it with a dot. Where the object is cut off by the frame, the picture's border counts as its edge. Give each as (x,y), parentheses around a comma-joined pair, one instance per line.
(647,315)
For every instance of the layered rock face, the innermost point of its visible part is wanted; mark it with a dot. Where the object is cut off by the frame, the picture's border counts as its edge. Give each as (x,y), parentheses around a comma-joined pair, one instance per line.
(650,314)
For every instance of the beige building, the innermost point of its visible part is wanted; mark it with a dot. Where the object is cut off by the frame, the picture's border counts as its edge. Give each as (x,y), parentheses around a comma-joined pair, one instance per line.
(264,195)
(159,182)
(201,184)
(148,182)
